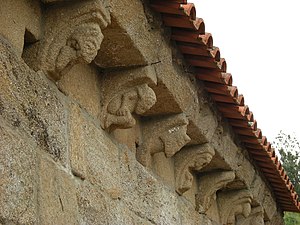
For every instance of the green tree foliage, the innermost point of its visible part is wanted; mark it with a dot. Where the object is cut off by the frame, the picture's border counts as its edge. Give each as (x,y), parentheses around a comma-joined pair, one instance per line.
(291,218)
(289,148)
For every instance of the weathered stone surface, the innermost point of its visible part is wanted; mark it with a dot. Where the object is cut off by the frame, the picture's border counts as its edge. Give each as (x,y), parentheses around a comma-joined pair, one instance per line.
(213,212)
(129,40)
(93,155)
(20,22)
(18,178)
(57,194)
(170,98)
(31,102)
(277,219)
(95,207)
(225,146)
(82,84)
(190,216)
(145,195)
(129,137)
(164,167)
(269,204)
(245,170)
(192,192)
(203,121)
(258,189)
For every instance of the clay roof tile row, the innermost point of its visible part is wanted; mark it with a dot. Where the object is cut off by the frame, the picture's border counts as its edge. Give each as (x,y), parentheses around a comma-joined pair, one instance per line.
(197,48)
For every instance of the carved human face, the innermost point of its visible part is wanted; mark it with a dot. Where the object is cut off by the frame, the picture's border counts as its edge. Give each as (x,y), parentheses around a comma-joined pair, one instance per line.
(86,41)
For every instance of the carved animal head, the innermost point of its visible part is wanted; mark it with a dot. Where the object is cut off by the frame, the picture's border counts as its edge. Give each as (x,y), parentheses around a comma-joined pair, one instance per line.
(175,137)
(81,47)
(234,203)
(166,134)
(190,159)
(209,184)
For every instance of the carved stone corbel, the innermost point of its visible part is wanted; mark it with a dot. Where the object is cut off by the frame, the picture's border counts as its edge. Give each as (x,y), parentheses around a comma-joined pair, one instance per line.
(126,93)
(232,204)
(209,184)
(72,35)
(166,134)
(137,99)
(188,160)
(256,217)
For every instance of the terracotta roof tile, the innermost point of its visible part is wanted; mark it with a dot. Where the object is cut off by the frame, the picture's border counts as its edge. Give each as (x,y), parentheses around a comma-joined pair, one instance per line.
(197,48)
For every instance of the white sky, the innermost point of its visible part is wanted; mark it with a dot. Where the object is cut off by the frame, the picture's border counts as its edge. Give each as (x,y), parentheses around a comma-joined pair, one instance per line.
(260,40)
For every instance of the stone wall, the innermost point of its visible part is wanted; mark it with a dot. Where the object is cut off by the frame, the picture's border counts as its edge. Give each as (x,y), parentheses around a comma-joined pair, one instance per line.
(101,122)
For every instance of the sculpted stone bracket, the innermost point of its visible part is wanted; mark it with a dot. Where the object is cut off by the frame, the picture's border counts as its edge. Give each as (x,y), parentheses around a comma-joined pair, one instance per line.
(73,34)
(166,134)
(126,93)
(234,203)
(209,184)
(188,160)
(256,217)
